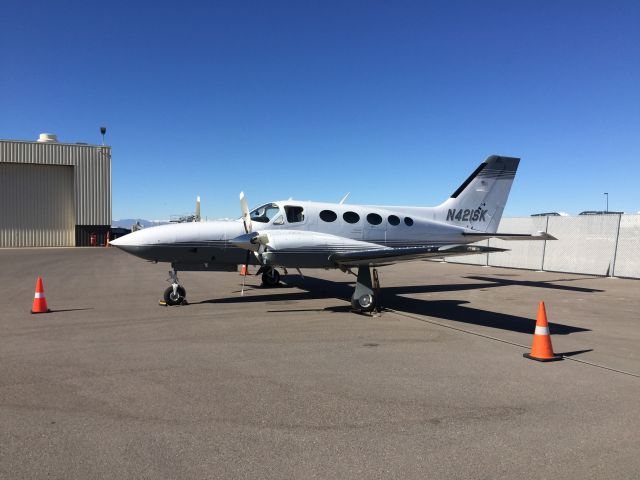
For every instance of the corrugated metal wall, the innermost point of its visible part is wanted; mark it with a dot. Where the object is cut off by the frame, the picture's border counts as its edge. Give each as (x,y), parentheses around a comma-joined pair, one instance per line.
(36,205)
(92,173)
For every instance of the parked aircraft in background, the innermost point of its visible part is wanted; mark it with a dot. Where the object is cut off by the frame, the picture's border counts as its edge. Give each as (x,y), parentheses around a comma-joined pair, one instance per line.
(294,234)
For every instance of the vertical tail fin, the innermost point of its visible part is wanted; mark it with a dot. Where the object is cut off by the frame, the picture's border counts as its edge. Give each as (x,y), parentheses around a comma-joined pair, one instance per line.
(479,202)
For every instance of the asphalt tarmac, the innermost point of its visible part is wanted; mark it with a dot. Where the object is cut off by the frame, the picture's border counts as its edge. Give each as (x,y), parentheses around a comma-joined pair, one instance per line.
(288,383)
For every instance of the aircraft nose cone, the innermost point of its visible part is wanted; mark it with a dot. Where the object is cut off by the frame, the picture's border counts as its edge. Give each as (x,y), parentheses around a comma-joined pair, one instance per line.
(129,243)
(116,242)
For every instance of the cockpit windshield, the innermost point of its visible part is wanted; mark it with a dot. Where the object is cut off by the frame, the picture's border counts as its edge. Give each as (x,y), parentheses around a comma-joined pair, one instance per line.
(265,213)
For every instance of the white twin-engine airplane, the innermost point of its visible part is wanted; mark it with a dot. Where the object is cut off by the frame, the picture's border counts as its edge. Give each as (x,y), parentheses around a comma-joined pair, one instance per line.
(293,234)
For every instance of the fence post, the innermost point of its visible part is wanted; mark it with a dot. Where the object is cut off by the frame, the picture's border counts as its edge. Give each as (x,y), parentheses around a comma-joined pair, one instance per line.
(615,248)
(486,263)
(544,245)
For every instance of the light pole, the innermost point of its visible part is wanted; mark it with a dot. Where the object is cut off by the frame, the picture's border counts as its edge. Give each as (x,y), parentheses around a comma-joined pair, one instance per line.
(607,196)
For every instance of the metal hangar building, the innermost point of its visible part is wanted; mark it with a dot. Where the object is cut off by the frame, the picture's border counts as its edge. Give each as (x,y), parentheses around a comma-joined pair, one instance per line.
(54,194)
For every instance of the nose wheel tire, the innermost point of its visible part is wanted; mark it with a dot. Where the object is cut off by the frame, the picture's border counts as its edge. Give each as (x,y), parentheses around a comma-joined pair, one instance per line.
(177,298)
(271,278)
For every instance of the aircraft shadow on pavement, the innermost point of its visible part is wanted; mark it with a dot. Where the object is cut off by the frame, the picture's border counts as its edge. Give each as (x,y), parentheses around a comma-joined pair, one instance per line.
(394,298)
(505,282)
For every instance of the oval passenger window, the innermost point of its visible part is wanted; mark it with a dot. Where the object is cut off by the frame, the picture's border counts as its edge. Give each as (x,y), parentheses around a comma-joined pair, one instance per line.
(328,216)
(408,221)
(393,220)
(374,219)
(351,217)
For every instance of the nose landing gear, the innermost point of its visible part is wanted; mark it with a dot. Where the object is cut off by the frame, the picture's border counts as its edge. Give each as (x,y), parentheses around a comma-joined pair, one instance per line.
(175,294)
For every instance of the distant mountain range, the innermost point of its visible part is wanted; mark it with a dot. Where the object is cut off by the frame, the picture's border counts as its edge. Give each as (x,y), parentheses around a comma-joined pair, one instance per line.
(128,222)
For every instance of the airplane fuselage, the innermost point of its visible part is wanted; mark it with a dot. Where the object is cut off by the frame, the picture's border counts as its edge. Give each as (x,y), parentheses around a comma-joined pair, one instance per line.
(301,234)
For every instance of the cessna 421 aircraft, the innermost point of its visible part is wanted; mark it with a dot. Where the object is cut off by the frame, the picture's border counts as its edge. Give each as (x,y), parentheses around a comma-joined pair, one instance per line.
(293,234)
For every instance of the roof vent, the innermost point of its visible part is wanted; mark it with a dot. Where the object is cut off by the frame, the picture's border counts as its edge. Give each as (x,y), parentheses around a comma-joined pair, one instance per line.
(48,138)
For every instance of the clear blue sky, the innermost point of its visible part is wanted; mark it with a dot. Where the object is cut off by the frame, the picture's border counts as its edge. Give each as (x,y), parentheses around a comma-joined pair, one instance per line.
(396,102)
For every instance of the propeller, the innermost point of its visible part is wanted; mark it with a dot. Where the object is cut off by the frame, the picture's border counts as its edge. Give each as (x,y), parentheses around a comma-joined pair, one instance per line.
(246,220)
(253,242)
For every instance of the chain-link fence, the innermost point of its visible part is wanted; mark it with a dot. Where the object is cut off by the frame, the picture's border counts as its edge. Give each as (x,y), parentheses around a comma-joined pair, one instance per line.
(607,245)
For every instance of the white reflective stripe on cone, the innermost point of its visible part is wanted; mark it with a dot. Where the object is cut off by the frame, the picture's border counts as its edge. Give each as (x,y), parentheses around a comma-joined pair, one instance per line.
(541,330)
(39,295)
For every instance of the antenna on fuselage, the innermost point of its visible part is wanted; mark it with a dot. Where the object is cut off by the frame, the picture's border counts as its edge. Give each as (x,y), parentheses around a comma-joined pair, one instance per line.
(345,197)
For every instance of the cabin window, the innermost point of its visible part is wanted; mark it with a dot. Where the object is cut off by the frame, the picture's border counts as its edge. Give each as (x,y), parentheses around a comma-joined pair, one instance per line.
(393,220)
(374,219)
(264,213)
(328,215)
(294,214)
(408,221)
(351,217)
(279,220)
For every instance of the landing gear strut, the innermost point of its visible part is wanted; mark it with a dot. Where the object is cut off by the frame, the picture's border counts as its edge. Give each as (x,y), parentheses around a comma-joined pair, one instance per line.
(366,296)
(175,294)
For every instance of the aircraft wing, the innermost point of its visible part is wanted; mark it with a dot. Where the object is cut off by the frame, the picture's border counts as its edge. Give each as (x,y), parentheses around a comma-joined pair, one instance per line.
(389,256)
(510,236)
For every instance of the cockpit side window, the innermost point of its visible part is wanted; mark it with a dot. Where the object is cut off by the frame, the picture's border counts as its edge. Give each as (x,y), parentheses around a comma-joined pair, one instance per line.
(294,214)
(264,213)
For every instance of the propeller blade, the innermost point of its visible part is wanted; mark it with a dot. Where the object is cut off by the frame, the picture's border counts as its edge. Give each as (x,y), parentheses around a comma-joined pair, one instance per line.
(244,277)
(246,218)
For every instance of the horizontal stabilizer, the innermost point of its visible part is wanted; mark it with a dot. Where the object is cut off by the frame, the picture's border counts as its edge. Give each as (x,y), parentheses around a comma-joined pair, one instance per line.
(511,236)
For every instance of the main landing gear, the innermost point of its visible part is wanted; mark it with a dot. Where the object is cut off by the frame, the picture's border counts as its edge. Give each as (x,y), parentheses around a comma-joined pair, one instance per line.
(366,296)
(175,294)
(270,276)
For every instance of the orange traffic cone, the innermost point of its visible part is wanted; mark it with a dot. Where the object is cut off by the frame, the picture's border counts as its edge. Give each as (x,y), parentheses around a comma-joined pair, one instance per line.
(39,300)
(244,271)
(541,350)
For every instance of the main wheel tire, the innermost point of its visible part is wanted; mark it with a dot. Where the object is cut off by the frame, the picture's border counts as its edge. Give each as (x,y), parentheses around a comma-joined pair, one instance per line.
(366,302)
(177,299)
(271,278)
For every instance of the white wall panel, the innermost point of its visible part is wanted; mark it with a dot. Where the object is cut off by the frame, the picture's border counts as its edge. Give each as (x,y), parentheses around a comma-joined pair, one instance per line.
(586,244)
(521,254)
(628,254)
